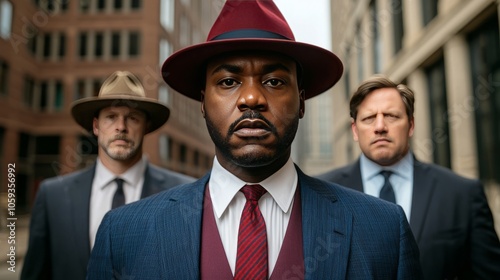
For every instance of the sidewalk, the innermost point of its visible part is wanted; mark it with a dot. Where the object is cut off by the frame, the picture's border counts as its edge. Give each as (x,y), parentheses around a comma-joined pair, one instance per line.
(21,238)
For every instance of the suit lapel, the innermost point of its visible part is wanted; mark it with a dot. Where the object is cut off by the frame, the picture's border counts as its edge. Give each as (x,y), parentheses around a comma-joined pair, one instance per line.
(423,187)
(326,230)
(351,177)
(79,195)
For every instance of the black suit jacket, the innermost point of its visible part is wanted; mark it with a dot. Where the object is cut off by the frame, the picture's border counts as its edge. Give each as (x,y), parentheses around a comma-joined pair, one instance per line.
(59,244)
(450,219)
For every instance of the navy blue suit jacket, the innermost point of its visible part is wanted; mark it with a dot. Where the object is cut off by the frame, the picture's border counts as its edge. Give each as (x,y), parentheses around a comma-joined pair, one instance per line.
(346,235)
(450,219)
(59,243)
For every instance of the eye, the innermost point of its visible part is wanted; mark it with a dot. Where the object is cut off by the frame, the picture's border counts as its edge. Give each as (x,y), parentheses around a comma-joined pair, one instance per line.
(228,83)
(368,120)
(391,117)
(274,82)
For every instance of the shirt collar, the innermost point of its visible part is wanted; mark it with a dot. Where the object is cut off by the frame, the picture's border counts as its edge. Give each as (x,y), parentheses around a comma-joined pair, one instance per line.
(224,186)
(103,176)
(370,169)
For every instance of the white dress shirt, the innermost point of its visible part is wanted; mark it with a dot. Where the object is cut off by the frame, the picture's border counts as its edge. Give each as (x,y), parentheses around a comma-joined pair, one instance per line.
(401,180)
(103,190)
(275,205)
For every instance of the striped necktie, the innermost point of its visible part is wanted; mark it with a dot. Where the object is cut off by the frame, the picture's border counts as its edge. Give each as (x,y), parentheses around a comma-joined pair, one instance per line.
(252,258)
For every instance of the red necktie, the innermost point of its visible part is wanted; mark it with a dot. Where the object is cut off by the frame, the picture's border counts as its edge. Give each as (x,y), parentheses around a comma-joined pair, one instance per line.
(251,260)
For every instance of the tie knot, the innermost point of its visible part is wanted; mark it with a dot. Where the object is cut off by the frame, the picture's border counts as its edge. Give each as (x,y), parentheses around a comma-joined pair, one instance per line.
(253,192)
(386,174)
(119,182)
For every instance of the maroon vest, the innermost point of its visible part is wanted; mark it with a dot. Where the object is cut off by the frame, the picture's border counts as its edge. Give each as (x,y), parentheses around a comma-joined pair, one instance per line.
(214,264)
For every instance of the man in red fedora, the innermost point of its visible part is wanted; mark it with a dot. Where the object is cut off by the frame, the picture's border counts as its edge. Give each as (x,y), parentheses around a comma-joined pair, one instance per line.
(256,215)
(68,209)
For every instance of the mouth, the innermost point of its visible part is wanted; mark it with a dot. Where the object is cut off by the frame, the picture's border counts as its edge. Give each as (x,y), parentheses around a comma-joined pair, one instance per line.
(251,128)
(120,142)
(381,141)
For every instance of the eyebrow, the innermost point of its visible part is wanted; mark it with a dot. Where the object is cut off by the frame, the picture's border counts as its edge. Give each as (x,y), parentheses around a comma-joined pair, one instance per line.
(229,68)
(268,68)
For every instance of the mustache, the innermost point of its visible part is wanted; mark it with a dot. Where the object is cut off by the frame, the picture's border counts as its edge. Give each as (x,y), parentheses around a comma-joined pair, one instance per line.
(121,137)
(251,114)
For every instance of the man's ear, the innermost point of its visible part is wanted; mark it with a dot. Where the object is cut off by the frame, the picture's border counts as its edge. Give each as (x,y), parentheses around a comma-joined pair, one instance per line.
(354,129)
(203,103)
(302,109)
(95,126)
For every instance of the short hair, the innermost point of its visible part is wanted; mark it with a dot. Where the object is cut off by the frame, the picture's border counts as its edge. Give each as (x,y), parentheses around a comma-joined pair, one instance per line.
(379,82)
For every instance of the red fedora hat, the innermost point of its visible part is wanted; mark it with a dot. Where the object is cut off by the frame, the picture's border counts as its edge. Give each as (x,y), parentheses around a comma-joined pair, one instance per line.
(248,25)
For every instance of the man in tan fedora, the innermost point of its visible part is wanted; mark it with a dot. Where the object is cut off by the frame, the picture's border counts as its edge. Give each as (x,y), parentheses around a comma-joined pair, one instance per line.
(68,209)
(255,215)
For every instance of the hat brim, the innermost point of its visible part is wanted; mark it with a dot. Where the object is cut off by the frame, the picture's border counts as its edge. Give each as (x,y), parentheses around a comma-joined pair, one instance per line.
(321,69)
(84,110)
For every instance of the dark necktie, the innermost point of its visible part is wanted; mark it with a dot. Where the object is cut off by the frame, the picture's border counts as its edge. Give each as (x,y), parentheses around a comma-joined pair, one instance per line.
(387,192)
(251,259)
(119,197)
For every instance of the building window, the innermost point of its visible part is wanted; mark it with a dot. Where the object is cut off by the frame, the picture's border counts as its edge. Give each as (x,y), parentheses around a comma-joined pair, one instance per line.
(5,19)
(165,50)
(429,10)
(44,95)
(84,5)
(47,145)
(82,47)
(47,45)
(53,6)
(101,5)
(80,90)
(164,149)
(182,153)
(58,98)
(62,45)
(23,150)
(96,87)
(118,4)
(115,44)
(134,43)
(484,46)
(135,4)
(167,14)
(29,91)
(4,77)
(163,95)
(438,104)
(398,24)
(99,45)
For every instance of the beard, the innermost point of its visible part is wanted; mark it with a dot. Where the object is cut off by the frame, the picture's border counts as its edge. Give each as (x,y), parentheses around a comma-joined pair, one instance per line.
(120,153)
(251,159)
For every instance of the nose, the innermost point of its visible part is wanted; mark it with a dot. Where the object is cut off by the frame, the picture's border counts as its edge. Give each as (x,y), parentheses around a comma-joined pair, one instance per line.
(252,97)
(380,126)
(121,124)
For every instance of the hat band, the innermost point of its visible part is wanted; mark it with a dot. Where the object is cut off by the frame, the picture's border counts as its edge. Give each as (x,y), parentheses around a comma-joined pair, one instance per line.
(249,33)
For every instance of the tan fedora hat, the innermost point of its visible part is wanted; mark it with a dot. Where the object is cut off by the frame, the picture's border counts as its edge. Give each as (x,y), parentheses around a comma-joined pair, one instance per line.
(121,88)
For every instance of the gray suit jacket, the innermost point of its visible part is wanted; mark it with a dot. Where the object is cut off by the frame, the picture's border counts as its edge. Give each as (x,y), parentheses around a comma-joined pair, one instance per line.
(450,218)
(59,244)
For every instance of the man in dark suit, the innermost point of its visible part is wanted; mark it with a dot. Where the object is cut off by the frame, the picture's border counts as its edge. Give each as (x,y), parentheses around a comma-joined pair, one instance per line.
(448,214)
(255,215)
(68,209)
